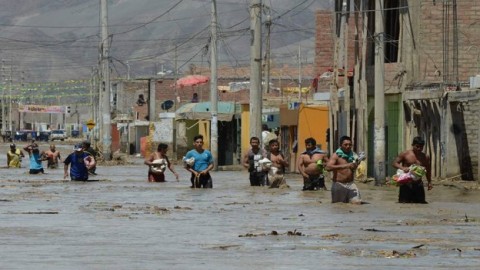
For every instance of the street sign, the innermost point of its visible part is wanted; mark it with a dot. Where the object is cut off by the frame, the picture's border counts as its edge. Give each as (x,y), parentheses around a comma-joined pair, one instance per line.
(90,124)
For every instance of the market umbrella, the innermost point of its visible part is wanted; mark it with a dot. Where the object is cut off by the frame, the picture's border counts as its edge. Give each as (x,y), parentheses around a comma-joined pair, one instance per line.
(192,80)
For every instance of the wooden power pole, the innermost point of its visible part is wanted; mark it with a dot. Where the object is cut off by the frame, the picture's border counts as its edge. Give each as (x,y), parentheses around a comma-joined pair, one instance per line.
(105,106)
(213,88)
(255,68)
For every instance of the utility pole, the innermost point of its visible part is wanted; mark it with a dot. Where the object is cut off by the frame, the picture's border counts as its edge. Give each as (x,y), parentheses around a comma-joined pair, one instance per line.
(3,99)
(175,77)
(7,100)
(346,86)
(92,106)
(299,74)
(10,98)
(151,99)
(268,23)
(363,118)
(379,123)
(106,121)
(255,68)
(333,123)
(360,86)
(128,71)
(97,98)
(213,88)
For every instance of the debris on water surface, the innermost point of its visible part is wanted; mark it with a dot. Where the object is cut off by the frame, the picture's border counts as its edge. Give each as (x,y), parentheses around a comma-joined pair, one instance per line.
(289,233)
(294,233)
(182,208)
(372,230)
(40,213)
(397,254)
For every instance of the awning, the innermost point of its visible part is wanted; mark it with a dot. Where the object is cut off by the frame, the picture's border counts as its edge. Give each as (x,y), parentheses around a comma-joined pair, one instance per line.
(202,111)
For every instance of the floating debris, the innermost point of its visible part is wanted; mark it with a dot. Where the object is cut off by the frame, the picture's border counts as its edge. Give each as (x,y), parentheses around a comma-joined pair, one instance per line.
(331,236)
(397,254)
(181,208)
(372,230)
(294,233)
(40,213)
(289,233)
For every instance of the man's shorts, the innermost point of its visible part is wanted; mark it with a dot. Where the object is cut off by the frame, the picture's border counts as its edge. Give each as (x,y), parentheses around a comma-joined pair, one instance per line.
(314,182)
(345,192)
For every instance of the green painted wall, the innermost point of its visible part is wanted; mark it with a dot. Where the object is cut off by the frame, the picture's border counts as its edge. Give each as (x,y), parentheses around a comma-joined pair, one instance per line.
(393,131)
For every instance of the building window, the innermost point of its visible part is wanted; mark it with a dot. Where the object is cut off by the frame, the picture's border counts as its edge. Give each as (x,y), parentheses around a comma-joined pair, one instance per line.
(392,29)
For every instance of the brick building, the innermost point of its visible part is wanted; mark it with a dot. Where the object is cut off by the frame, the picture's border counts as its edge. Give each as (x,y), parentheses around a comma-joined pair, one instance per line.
(431,50)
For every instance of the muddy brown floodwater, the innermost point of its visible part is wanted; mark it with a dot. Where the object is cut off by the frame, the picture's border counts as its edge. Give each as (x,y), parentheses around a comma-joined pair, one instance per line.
(121,221)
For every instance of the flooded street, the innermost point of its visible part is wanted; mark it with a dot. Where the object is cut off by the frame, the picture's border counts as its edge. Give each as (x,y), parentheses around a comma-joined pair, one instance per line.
(120,221)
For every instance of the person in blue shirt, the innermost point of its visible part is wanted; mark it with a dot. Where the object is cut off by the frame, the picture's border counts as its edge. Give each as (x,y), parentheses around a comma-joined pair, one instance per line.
(202,165)
(35,157)
(79,162)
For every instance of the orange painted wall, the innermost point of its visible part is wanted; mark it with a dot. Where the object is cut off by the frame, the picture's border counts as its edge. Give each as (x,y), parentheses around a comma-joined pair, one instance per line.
(312,122)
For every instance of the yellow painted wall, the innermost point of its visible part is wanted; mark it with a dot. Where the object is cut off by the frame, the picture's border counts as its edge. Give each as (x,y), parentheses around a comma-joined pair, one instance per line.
(245,129)
(204,130)
(312,122)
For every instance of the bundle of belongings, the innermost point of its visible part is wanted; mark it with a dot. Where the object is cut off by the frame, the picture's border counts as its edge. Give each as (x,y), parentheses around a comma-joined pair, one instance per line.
(188,162)
(159,165)
(265,164)
(275,176)
(415,173)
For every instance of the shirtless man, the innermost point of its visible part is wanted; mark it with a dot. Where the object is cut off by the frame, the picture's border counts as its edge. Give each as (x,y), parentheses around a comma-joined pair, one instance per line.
(155,172)
(413,192)
(343,164)
(310,165)
(276,174)
(53,157)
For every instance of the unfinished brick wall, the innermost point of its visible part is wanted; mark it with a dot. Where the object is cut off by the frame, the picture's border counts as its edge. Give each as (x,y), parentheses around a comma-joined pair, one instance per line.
(429,38)
(325,48)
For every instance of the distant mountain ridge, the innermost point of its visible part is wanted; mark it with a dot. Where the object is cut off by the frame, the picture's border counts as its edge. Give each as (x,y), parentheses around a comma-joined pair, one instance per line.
(44,40)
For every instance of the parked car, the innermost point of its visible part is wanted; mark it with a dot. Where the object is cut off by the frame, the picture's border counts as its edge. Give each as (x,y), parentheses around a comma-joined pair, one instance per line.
(25,135)
(58,134)
(44,136)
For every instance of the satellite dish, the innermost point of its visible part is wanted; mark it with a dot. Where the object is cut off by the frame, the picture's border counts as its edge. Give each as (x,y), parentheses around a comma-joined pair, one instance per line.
(167,105)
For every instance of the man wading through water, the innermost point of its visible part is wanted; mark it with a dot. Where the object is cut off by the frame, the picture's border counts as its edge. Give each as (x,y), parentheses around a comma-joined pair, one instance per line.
(203,163)
(310,165)
(414,192)
(343,164)
(257,174)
